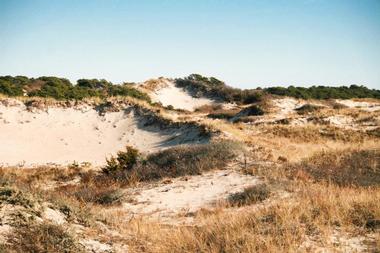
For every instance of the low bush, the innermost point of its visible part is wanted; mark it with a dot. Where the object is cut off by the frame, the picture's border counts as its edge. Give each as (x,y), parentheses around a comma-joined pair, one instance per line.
(97,194)
(42,237)
(250,195)
(15,197)
(125,160)
(254,110)
(189,160)
(308,108)
(173,162)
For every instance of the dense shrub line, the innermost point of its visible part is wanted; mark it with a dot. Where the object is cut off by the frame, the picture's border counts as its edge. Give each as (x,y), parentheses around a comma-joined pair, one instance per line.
(214,88)
(61,88)
(325,92)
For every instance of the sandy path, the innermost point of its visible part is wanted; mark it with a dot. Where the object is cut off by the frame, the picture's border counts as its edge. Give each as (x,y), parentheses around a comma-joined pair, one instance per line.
(64,135)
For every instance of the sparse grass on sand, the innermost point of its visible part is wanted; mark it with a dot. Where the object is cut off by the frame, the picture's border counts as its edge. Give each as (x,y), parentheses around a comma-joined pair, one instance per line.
(296,225)
(304,223)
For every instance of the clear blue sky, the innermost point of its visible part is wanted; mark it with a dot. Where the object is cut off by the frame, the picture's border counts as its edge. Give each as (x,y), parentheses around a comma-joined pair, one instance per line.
(245,43)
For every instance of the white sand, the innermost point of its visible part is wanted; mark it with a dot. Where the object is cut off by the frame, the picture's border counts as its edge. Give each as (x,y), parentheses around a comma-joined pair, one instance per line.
(64,135)
(365,106)
(188,195)
(286,106)
(169,94)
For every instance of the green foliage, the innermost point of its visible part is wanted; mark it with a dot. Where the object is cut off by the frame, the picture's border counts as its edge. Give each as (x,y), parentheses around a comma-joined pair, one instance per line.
(61,88)
(12,86)
(124,161)
(325,92)
(126,90)
(214,88)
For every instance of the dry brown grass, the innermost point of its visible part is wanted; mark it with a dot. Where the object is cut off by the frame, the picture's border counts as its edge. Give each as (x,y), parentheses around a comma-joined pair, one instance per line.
(315,213)
(208,108)
(250,195)
(312,133)
(343,167)
(42,237)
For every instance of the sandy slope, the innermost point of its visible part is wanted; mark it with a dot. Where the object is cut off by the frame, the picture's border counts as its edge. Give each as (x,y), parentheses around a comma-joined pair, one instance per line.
(188,194)
(63,135)
(169,94)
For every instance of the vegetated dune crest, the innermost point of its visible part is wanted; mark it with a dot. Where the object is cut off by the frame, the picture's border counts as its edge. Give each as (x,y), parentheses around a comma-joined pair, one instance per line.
(165,91)
(55,135)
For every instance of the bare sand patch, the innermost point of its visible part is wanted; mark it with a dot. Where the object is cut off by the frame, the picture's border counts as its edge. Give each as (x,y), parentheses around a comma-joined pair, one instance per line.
(187,194)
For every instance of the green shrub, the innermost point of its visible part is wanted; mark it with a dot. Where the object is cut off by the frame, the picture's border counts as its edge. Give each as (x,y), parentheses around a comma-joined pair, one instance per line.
(125,160)
(12,86)
(214,88)
(61,88)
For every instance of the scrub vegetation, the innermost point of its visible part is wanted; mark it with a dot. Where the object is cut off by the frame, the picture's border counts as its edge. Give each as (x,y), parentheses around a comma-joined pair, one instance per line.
(63,89)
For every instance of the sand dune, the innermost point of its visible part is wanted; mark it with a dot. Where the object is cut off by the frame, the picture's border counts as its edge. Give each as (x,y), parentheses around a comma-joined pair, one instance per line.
(168,94)
(64,135)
